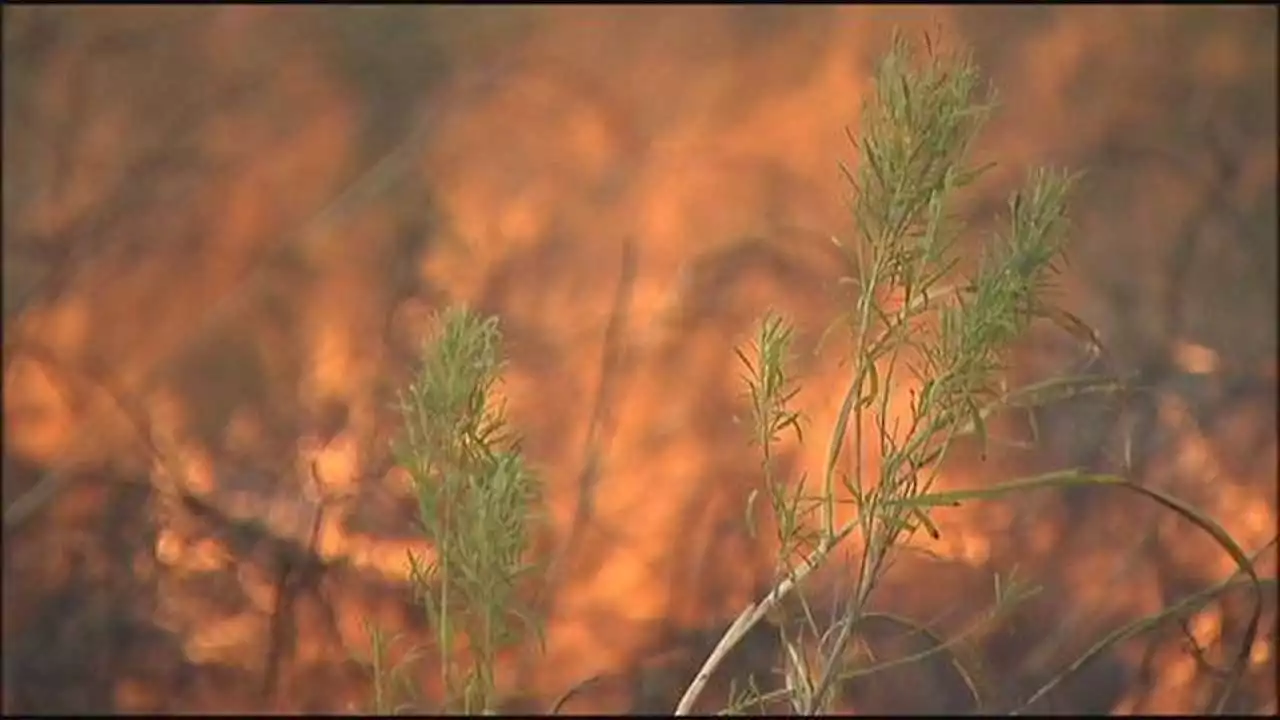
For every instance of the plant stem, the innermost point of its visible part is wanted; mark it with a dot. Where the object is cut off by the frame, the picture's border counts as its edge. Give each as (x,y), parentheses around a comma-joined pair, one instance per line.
(754,613)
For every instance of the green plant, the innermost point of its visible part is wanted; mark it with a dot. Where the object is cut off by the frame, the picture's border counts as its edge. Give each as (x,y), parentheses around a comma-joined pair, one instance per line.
(914,319)
(476,503)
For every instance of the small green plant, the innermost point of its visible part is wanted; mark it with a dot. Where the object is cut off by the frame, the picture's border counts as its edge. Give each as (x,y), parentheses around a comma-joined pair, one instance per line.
(910,320)
(477,503)
(914,319)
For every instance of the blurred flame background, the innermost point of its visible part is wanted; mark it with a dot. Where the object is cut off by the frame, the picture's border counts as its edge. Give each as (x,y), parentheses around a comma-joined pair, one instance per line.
(226,227)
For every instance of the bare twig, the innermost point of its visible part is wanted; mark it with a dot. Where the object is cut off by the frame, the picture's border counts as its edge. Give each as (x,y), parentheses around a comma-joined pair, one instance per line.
(576,688)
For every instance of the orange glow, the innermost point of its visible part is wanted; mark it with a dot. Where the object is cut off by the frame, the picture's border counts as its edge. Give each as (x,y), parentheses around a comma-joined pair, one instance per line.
(254,210)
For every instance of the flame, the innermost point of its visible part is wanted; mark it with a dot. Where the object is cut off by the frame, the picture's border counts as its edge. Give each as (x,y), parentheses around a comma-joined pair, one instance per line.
(239,218)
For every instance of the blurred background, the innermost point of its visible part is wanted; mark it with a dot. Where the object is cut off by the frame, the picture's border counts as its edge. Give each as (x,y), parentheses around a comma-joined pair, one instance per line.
(226,228)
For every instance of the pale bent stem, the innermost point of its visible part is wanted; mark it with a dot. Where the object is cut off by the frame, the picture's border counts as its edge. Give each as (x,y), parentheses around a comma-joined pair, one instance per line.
(752,615)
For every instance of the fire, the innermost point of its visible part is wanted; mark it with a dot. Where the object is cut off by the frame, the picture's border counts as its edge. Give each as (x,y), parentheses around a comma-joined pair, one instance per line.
(250,210)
